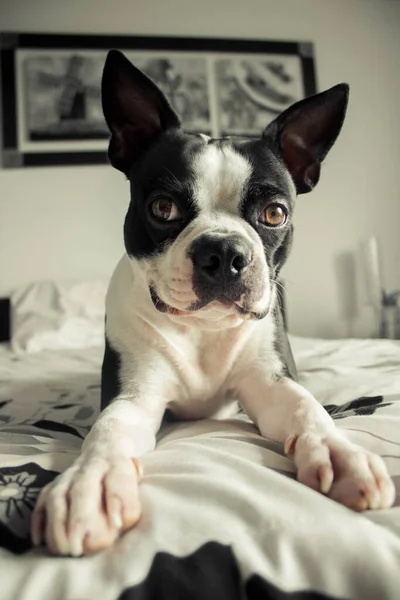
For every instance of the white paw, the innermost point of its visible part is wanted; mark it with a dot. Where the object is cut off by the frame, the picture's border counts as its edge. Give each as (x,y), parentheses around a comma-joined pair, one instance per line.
(343,471)
(88,506)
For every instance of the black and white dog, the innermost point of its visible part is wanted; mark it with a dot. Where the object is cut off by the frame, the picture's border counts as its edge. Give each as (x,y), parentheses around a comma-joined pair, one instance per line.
(193,321)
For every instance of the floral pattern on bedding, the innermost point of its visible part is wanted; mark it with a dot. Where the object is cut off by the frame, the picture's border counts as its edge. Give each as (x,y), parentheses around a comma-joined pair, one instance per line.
(19,489)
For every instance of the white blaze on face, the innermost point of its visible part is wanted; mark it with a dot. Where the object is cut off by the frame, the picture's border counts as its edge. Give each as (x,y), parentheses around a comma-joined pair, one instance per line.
(221,176)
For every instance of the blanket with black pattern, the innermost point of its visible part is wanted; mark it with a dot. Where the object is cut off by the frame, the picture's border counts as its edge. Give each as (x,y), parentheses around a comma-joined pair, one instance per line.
(224,517)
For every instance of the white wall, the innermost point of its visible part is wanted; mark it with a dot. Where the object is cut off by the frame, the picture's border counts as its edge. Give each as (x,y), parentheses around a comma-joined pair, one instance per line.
(67,222)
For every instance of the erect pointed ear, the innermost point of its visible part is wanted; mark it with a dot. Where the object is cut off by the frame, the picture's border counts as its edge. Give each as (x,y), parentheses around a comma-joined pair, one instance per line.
(136,111)
(306,131)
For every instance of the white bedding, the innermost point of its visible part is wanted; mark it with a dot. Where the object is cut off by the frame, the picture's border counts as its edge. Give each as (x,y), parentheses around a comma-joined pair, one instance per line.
(337,371)
(208,495)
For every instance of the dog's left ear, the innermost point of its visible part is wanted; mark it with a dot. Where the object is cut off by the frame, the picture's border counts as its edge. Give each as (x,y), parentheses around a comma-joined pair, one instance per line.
(136,111)
(305,132)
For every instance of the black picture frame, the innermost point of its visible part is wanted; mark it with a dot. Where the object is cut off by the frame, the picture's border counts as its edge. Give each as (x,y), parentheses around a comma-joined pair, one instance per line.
(247,76)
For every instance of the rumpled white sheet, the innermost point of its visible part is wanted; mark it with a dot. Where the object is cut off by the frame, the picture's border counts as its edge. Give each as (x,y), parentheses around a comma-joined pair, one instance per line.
(58,315)
(208,480)
(337,371)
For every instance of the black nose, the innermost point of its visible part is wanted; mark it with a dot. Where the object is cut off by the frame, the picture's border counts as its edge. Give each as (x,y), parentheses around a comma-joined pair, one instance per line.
(220,258)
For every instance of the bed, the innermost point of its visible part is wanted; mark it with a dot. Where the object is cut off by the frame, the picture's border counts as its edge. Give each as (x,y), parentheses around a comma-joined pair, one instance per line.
(223,517)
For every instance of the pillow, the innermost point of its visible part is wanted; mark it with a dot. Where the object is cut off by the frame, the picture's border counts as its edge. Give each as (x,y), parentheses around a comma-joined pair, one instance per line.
(58,315)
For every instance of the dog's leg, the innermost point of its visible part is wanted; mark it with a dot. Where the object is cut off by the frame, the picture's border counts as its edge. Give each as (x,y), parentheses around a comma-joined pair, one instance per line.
(326,461)
(86,508)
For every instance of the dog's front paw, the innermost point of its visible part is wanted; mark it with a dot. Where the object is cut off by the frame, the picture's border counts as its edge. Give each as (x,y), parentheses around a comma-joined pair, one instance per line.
(88,506)
(341,470)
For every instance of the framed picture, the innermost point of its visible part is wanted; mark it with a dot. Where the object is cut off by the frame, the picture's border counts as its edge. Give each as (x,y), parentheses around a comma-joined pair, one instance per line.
(51,102)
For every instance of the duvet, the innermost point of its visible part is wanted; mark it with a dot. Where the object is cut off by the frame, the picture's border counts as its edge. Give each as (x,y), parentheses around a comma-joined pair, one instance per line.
(223,516)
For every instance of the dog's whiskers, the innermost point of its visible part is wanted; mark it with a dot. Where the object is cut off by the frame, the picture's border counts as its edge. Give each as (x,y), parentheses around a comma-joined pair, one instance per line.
(280,290)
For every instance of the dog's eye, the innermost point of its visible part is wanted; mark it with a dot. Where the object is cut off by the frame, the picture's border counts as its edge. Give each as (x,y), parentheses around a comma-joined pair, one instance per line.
(274,215)
(164,209)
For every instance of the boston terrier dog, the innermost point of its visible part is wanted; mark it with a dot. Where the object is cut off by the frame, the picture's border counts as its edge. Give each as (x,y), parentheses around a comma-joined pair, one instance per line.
(193,322)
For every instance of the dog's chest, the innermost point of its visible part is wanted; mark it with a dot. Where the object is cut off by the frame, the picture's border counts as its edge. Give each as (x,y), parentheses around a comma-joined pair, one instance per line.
(204,367)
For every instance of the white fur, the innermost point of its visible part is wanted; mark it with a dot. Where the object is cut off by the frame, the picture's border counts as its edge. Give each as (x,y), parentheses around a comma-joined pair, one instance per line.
(195,364)
(221,176)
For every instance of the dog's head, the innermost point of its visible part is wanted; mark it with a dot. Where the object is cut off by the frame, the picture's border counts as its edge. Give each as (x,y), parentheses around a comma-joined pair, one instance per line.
(210,220)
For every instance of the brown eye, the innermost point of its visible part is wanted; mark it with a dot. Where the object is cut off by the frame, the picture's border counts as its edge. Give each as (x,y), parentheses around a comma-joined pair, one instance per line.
(164,209)
(274,215)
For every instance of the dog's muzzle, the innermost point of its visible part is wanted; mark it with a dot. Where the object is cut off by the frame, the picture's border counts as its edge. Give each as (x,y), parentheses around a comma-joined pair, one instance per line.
(221,270)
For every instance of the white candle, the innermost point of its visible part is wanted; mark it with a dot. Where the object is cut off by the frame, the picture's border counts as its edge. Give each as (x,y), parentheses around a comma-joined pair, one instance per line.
(373,279)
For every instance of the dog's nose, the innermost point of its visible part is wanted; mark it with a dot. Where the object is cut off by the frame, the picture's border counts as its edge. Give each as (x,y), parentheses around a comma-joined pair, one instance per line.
(221,258)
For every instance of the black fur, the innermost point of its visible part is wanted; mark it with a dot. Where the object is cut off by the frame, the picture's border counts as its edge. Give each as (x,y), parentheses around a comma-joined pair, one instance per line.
(166,167)
(282,345)
(110,382)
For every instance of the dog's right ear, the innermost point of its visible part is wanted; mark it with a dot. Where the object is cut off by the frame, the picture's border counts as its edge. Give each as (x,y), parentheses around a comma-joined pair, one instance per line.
(135,110)
(306,131)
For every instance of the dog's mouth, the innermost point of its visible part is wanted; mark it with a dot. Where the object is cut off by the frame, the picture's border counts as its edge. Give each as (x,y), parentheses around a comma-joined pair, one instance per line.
(221,301)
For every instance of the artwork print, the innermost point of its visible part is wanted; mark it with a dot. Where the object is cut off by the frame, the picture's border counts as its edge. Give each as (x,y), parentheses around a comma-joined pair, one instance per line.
(217,88)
